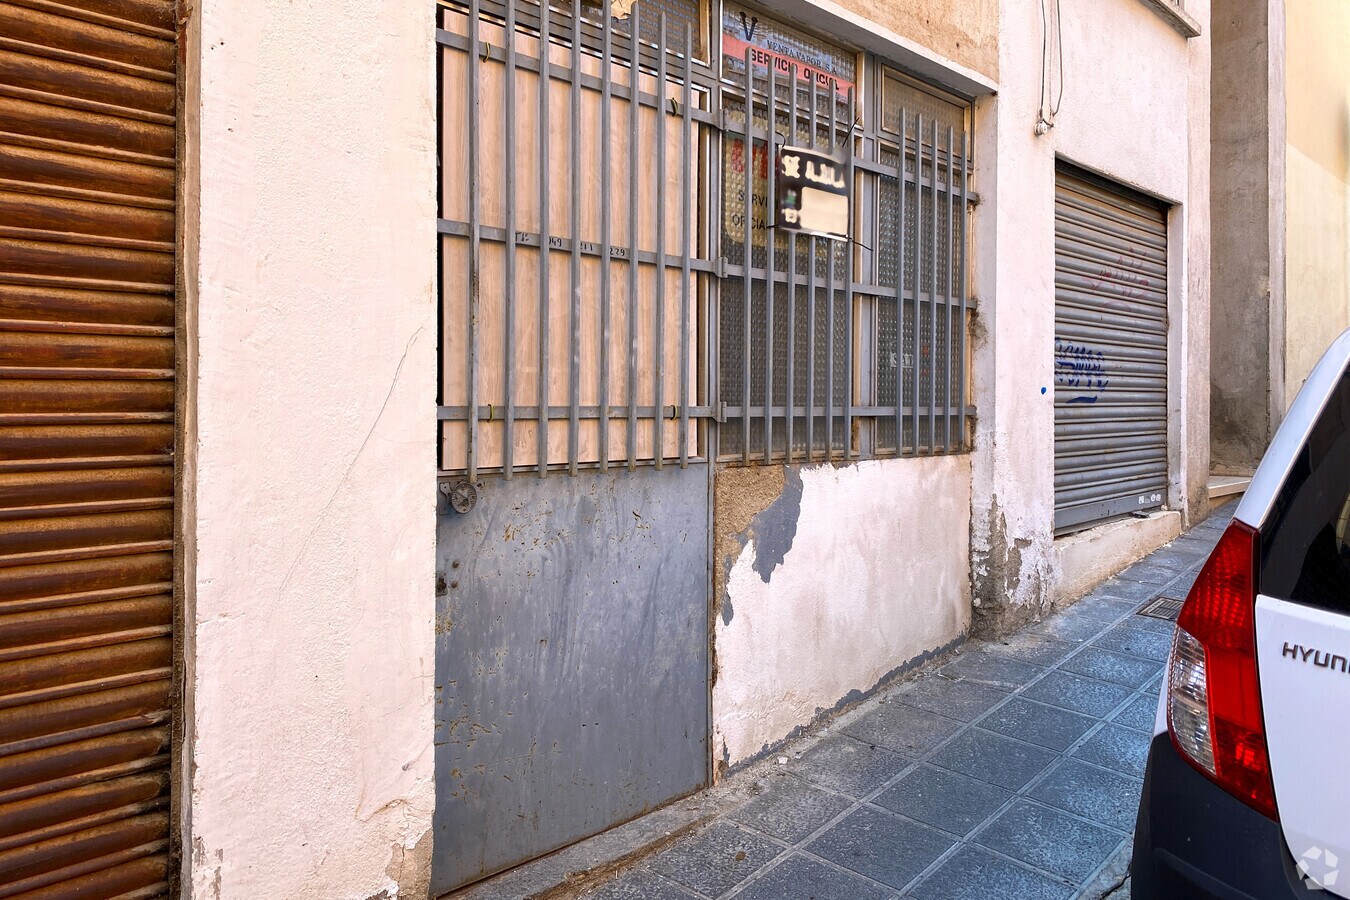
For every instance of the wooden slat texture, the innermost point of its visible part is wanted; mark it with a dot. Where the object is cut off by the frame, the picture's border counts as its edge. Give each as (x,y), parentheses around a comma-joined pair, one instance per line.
(87,188)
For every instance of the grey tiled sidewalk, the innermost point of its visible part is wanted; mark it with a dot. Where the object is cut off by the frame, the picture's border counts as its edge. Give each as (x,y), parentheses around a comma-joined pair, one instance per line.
(1013,771)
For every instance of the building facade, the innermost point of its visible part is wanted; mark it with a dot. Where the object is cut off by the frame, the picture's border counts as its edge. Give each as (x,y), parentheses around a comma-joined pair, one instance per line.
(462,428)
(1282,250)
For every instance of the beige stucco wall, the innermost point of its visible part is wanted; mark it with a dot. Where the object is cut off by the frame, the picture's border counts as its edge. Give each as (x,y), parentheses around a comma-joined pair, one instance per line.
(308,464)
(1317,160)
(963,31)
(1247,221)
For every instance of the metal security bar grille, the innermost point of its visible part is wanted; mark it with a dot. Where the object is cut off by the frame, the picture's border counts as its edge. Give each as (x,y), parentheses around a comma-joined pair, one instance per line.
(572,280)
(1110,351)
(813,363)
(916,251)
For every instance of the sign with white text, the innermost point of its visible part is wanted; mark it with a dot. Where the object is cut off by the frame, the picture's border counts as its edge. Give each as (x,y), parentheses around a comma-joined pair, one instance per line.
(775,45)
(812,193)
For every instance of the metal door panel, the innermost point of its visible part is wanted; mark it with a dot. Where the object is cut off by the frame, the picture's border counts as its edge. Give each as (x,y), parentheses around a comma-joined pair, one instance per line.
(572,661)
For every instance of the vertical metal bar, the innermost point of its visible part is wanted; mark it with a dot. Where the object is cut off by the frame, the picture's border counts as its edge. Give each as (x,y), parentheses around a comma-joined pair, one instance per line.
(545,234)
(658,421)
(769,264)
(789,396)
(748,160)
(475,239)
(686,239)
(574,315)
(509,300)
(950,263)
(900,294)
(961,293)
(918,265)
(829,298)
(848,276)
(811,307)
(932,301)
(606,258)
(441,369)
(634,123)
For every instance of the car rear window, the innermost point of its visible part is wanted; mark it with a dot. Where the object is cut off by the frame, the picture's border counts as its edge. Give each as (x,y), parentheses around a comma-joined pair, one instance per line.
(1305,549)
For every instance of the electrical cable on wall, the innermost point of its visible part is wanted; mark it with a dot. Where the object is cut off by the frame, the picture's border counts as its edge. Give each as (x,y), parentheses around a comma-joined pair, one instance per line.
(1052,68)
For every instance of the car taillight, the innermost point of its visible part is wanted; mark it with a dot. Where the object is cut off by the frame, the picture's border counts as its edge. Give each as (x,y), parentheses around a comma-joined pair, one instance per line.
(1213,697)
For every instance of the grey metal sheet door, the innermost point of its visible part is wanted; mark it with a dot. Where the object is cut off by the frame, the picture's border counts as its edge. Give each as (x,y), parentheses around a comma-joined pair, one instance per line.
(1110,351)
(571,661)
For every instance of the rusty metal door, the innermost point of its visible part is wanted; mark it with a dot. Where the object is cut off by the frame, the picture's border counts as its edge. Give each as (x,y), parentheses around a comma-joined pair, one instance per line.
(87,179)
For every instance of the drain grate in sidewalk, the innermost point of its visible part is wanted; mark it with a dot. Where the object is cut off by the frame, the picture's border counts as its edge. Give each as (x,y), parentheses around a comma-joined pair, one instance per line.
(1161,607)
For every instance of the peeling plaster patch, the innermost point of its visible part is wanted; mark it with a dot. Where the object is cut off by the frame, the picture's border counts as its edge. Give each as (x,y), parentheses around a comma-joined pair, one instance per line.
(999,580)
(775,527)
(739,495)
(200,862)
(410,869)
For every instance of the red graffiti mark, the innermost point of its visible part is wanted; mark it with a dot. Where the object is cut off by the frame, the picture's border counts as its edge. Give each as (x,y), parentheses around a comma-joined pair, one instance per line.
(1125,279)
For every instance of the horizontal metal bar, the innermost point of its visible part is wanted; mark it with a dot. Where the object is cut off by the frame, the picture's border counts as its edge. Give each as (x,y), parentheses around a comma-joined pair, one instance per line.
(730,270)
(455,228)
(493,413)
(879,168)
(453,475)
(491,52)
(731,128)
(734,412)
(592,33)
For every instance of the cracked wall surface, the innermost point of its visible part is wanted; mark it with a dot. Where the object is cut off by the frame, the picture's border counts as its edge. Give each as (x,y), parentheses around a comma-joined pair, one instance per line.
(309,464)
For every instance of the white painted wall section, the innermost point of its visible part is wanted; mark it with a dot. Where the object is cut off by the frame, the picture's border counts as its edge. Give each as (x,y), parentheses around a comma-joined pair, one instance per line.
(876,576)
(309,467)
(1132,86)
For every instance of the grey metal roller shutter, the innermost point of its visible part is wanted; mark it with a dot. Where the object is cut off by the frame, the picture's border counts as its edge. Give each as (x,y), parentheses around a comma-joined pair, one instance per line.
(1110,351)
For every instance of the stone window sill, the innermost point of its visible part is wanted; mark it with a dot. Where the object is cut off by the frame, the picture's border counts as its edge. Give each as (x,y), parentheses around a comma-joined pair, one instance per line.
(1174,15)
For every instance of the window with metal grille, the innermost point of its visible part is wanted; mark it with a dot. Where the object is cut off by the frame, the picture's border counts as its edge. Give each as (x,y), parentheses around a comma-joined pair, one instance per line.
(614,288)
(572,282)
(812,362)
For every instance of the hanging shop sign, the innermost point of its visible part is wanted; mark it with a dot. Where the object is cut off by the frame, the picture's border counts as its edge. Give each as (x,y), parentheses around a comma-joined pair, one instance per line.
(773,44)
(812,193)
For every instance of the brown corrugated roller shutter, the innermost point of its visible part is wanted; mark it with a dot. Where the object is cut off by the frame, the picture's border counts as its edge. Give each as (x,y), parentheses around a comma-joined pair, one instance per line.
(87,138)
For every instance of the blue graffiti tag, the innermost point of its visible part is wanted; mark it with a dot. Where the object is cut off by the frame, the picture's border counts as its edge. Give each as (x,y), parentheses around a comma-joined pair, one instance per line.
(1081,368)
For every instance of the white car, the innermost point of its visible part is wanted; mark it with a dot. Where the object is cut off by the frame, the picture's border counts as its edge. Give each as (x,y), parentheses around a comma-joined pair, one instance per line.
(1247,792)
